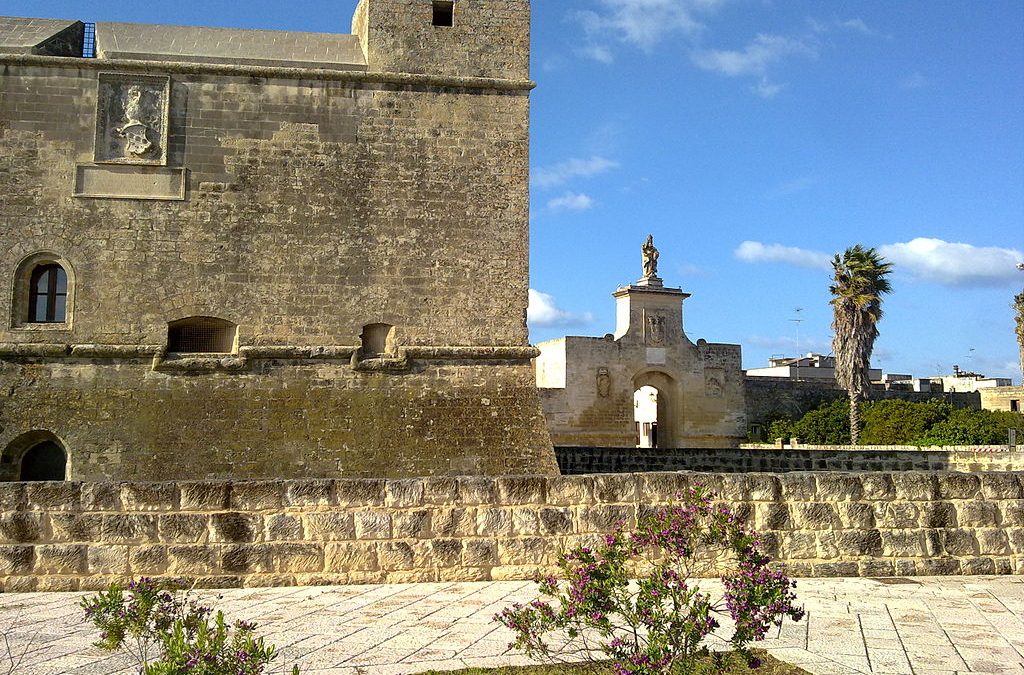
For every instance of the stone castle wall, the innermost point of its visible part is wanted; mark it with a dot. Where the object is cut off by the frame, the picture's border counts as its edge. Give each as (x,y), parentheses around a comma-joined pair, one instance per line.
(770,398)
(80,536)
(301,205)
(768,459)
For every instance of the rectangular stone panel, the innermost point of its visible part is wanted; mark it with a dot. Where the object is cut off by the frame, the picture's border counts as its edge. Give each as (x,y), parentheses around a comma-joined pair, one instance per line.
(131,118)
(130,182)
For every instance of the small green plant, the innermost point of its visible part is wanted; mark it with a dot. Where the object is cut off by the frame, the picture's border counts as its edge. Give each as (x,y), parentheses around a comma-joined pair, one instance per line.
(170,633)
(659,622)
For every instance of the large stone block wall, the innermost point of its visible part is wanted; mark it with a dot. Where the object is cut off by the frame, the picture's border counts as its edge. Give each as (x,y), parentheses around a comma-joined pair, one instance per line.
(314,203)
(578,460)
(770,398)
(80,536)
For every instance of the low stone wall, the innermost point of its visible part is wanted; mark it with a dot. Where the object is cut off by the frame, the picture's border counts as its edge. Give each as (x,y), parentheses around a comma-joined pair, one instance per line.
(766,458)
(81,536)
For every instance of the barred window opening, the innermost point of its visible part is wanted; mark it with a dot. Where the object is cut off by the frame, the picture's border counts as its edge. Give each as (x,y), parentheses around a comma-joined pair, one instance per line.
(201,335)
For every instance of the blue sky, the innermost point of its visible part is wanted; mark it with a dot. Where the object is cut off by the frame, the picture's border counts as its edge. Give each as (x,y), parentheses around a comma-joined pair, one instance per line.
(754,139)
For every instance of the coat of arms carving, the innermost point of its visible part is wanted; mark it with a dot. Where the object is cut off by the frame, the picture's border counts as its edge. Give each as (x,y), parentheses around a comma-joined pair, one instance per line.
(655,329)
(131,119)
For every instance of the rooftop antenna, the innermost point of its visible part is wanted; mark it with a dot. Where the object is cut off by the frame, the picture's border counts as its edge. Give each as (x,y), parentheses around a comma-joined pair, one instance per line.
(799,354)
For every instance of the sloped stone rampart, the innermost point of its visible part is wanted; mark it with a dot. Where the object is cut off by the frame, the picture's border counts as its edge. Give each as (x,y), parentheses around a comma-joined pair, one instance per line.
(82,536)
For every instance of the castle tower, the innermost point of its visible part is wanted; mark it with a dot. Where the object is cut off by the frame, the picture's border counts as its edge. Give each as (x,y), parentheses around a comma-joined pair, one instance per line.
(262,254)
(465,38)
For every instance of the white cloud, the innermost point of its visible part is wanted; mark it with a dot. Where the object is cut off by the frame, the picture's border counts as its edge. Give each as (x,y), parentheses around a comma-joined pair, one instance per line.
(598,53)
(923,259)
(753,59)
(571,201)
(857,26)
(914,81)
(644,23)
(558,174)
(755,252)
(954,264)
(543,312)
(766,89)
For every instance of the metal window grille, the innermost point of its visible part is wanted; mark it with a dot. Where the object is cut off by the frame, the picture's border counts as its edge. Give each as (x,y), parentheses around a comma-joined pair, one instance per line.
(89,41)
(202,336)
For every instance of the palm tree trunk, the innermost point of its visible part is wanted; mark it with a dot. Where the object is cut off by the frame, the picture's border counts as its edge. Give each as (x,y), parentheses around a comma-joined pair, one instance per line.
(855,417)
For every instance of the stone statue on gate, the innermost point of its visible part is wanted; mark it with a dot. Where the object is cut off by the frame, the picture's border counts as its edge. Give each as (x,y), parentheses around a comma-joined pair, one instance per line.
(650,258)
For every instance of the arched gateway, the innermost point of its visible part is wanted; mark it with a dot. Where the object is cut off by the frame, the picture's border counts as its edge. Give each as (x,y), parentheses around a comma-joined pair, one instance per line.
(588,384)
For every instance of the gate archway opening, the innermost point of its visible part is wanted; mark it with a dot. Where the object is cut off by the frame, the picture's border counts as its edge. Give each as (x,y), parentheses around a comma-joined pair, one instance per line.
(645,416)
(656,403)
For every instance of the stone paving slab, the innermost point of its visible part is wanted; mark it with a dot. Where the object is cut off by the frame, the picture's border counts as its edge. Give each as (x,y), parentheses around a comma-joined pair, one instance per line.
(920,626)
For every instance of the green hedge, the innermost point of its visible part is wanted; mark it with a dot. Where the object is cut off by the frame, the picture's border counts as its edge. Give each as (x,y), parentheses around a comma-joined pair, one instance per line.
(896,422)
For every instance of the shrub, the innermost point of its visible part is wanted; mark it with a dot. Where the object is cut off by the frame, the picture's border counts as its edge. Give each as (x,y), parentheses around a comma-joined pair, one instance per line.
(966,426)
(780,428)
(170,633)
(897,422)
(658,623)
(829,424)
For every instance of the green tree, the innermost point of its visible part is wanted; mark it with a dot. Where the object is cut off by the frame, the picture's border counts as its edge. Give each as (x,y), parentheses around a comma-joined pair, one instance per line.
(966,426)
(897,422)
(858,284)
(828,424)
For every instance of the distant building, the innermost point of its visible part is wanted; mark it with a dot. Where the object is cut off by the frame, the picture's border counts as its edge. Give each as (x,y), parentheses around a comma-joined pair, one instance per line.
(816,367)
(962,380)
(1002,398)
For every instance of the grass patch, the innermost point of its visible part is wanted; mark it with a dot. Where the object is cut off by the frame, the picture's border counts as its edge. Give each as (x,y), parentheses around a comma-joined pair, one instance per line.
(769,666)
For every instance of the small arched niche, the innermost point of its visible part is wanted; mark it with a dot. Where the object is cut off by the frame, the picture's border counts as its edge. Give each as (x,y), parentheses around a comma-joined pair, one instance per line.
(377,340)
(35,456)
(202,335)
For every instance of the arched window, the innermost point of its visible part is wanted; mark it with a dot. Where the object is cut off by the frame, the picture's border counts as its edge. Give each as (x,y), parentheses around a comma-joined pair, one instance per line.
(201,335)
(44,293)
(48,294)
(44,461)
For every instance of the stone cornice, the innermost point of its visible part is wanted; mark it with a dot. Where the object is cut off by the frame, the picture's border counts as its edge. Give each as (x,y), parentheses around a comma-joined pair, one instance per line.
(268,352)
(276,72)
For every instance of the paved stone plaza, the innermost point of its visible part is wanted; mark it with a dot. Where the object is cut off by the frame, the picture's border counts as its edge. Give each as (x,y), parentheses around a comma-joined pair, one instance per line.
(923,626)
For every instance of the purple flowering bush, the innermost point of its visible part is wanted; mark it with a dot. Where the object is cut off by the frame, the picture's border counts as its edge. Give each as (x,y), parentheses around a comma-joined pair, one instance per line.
(635,598)
(169,633)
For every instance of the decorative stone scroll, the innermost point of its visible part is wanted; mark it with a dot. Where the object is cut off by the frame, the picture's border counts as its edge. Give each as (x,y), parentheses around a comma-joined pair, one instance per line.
(132,119)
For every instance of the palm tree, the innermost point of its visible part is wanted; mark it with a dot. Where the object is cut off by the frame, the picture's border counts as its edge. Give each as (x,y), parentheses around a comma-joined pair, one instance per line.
(858,285)
(1018,308)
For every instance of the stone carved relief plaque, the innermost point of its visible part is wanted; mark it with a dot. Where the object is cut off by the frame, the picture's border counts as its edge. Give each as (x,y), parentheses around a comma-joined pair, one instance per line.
(131,119)
(714,382)
(604,382)
(655,329)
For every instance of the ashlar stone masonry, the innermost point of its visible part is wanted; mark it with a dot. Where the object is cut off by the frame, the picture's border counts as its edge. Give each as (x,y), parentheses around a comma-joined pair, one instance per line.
(72,536)
(265,254)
